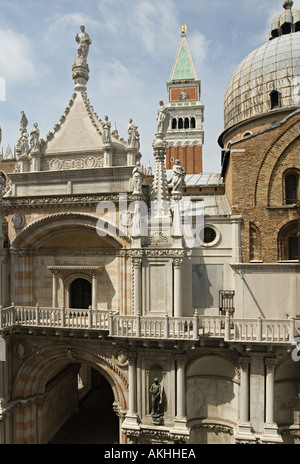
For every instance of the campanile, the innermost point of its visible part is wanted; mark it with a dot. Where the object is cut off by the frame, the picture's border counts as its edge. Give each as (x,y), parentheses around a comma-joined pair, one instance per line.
(185,136)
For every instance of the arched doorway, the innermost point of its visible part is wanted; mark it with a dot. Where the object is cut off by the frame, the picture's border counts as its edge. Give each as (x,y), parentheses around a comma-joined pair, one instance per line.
(80,294)
(95,421)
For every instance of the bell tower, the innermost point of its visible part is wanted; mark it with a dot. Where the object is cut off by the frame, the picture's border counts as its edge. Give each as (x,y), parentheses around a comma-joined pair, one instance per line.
(185,136)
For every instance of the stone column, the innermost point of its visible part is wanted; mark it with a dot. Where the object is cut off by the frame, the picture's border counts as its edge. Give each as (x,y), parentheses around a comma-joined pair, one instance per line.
(269,417)
(244,432)
(177,264)
(130,426)
(244,395)
(94,290)
(180,429)
(54,289)
(137,299)
(270,433)
(180,362)
(132,386)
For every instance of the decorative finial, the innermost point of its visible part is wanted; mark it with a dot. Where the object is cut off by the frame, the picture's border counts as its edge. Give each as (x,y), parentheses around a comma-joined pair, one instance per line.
(183,29)
(288,4)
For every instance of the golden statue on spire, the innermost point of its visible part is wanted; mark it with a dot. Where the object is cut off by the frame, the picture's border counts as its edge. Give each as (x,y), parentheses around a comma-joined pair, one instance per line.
(183,29)
(288,4)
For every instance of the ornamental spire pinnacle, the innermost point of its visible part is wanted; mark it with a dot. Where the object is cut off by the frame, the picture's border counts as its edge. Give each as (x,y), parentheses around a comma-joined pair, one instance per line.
(288,4)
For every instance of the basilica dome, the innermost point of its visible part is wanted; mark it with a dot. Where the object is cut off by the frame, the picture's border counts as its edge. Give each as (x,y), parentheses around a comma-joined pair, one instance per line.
(268,79)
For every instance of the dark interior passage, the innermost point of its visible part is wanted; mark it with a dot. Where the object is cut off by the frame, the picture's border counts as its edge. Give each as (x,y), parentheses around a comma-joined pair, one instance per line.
(95,422)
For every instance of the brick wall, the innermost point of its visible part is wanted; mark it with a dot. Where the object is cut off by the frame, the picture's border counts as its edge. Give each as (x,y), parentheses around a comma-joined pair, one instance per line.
(255,187)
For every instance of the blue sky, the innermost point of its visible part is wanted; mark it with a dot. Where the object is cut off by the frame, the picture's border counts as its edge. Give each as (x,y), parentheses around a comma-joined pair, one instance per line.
(134,44)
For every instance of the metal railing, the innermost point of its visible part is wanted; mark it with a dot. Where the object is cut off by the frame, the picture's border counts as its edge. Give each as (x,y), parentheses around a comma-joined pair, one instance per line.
(152,327)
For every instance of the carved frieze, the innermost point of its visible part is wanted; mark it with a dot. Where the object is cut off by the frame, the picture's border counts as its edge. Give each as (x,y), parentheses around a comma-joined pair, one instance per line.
(62,164)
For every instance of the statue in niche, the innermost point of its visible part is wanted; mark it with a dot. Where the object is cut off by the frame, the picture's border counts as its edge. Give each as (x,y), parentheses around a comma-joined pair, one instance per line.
(133,136)
(35,138)
(178,179)
(106,130)
(155,391)
(163,118)
(84,43)
(137,177)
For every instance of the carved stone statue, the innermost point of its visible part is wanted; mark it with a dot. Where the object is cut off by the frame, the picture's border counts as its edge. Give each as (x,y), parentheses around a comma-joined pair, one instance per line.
(35,138)
(137,177)
(163,118)
(133,136)
(84,43)
(23,123)
(24,145)
(155,390)
(106,130)
(178,179)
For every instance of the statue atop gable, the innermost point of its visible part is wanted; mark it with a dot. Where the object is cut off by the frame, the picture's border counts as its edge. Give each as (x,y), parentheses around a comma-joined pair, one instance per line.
(84,43)
(106,130)
(35,138)
(133,136)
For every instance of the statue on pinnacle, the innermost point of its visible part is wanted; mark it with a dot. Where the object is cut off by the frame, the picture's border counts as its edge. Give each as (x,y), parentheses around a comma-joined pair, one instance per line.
(84,43)
(288,4)
(80,69)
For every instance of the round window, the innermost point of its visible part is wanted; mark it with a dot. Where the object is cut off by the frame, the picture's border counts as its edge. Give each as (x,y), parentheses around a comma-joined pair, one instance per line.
(208,235)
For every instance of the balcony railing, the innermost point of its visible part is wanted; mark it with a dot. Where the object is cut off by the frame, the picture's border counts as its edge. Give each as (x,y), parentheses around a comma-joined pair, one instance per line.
(152,327)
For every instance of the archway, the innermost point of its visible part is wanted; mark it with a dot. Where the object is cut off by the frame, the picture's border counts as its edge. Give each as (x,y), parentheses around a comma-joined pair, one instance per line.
(80,294)
(94,422)
(51,394)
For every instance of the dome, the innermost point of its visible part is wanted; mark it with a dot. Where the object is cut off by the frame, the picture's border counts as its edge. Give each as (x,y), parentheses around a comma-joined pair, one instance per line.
(269,77)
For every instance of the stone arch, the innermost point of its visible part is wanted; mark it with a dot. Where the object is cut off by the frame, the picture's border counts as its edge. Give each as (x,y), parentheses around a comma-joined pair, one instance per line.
(261,191)
(40,366)
(41,230)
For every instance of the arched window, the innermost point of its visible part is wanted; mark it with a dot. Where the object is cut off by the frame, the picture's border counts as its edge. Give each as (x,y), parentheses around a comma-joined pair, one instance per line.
(186,123)
(180,123)
(274,99)
(174,123)
(193,123)
(289,242)
(297,26)
(291,188)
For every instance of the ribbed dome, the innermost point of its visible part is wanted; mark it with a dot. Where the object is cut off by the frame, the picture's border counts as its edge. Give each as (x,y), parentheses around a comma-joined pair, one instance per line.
(266,79)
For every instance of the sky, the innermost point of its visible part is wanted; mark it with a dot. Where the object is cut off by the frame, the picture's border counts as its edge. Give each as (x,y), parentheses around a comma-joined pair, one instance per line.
(134,45)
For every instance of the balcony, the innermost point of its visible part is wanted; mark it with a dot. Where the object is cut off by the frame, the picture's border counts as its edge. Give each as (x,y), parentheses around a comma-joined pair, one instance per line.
(193,328)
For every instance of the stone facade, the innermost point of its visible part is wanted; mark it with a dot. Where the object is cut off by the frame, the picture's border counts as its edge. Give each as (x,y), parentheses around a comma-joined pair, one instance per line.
(183,282)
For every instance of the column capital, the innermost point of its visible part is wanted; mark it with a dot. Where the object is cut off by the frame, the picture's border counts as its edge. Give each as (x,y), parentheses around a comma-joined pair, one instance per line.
(270,363)
(244,363)
(177,262)
(137,262)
